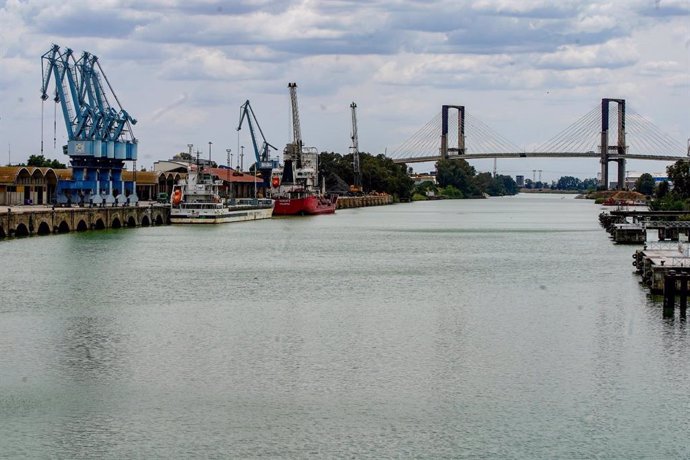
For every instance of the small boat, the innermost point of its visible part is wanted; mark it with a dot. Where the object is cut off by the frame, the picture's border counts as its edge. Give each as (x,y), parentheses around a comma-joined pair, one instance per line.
(196,201)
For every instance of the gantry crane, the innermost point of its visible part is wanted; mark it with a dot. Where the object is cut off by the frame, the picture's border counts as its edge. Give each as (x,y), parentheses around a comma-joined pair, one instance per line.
(99,136)
(356,187)
(264,163)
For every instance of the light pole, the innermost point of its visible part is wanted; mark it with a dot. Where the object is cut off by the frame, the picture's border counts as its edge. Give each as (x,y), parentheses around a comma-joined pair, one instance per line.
(242,159)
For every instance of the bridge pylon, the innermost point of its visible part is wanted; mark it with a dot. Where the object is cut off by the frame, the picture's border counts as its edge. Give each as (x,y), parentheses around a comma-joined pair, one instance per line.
(619,149)
(444,130)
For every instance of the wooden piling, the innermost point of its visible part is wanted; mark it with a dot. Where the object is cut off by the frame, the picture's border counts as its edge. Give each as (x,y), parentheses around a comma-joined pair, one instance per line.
(669,292)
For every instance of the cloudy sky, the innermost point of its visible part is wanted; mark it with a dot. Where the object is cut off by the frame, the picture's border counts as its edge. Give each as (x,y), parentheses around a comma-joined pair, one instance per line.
(526,68)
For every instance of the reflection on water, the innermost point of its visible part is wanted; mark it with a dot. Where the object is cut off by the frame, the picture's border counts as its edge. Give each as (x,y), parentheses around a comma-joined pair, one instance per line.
(506,327)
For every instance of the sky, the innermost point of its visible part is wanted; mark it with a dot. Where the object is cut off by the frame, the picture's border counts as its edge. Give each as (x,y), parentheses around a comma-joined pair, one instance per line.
(526,68)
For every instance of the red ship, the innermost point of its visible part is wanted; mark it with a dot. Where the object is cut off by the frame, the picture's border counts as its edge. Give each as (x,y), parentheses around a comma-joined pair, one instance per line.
(307,204)
(295,189)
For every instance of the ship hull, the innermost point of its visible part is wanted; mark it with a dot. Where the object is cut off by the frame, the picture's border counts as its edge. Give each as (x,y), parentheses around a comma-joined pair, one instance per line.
(226,216)
(310,205)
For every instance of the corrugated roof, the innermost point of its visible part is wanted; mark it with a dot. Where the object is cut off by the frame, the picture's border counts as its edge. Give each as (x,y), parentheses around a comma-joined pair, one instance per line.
(143,177)
(231,175)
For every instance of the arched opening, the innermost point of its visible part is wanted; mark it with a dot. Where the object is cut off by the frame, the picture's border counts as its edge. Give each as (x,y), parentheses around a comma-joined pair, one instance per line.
(82,227)
(99,224)
(145,222)
(23,181)
(131,222)
(21,230)
(159,220)
(63,227)
(43,229)
(51,182)
(116,223)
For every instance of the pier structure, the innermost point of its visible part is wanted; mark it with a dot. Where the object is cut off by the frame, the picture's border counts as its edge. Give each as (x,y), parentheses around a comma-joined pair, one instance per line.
(15,222)
(345,202)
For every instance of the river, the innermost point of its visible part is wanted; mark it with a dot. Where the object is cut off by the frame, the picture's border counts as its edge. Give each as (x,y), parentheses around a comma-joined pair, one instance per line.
(501,328)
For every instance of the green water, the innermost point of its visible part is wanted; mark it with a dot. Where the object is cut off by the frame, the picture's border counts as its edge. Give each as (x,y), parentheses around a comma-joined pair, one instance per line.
(500,328)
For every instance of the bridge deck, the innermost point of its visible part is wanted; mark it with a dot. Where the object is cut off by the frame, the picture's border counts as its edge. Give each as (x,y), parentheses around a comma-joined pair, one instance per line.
(478,156)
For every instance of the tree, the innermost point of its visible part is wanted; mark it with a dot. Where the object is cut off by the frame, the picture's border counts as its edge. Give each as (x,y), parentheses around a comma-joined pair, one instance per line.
(645,184)
(679,174)
(569,183)
(379,173)
(459,174)
(40,161)
(662,190)
(184,156)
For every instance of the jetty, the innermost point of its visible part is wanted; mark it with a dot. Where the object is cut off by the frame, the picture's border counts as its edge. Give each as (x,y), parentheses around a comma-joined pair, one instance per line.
(42,220)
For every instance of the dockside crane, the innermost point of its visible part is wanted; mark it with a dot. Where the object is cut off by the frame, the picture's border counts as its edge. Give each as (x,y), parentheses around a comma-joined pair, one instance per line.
(99,135)
(356,187)
(264,163)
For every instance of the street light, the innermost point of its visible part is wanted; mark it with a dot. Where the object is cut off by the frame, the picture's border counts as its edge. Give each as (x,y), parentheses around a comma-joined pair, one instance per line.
(242,159)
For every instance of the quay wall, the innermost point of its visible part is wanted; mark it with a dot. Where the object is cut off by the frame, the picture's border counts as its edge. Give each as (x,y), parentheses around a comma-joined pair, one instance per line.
(20,221)
(345,202)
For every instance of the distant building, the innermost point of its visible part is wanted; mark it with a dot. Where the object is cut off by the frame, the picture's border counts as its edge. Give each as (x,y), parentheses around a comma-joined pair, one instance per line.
(633,176)
(421,178)
(520,181)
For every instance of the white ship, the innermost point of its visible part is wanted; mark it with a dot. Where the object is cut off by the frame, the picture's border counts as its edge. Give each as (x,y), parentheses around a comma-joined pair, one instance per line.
(196,201)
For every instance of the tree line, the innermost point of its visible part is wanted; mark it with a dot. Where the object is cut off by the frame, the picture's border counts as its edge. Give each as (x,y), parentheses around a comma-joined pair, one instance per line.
(39,161)
(673,194)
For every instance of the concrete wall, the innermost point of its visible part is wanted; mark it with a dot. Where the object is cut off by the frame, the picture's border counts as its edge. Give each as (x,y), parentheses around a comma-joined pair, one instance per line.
(41,221)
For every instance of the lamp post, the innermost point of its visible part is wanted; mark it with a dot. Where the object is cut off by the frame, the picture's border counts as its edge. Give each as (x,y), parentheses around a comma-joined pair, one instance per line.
(242,159)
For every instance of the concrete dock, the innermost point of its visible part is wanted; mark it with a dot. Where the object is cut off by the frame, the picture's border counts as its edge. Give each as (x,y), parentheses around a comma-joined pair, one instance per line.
(44,220)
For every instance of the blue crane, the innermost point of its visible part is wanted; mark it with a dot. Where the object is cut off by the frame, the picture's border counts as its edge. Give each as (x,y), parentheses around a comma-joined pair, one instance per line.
(264,163)
(99,136)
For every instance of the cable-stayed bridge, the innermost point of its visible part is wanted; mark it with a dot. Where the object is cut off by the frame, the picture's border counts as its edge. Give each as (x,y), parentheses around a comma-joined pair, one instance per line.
(609,135)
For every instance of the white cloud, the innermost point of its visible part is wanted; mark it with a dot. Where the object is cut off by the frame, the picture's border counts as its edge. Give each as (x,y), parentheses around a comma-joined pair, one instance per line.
(183,68)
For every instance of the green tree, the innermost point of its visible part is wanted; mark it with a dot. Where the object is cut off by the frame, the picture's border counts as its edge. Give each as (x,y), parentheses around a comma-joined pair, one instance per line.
(679,174)
(459,174)
(645,184)
(40,161)
(662,190)
(379,173)
(508,184)
(589,184)
(569,183)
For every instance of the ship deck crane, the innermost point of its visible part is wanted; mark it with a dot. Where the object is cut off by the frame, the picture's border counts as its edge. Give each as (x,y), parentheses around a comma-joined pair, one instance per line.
(300,164)
(356,187)
(295,149)
(264,163)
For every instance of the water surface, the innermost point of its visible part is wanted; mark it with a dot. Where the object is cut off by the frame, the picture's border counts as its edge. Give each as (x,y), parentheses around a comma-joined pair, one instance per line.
(499,328)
